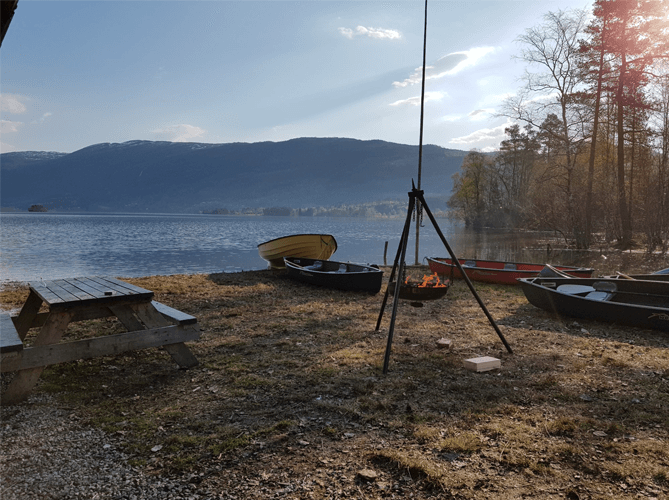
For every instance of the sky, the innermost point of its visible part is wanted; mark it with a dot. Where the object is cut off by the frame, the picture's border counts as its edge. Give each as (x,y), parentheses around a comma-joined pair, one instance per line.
(83,72)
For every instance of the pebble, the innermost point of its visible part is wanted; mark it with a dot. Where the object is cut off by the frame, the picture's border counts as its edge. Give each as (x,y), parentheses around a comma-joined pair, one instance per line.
(48,455)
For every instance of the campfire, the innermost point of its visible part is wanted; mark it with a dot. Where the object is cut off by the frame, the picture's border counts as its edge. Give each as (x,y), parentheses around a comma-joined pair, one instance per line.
(430,287)
(431,281)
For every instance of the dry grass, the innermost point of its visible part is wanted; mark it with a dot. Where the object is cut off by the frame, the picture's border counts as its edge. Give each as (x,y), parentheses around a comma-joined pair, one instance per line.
(290,392)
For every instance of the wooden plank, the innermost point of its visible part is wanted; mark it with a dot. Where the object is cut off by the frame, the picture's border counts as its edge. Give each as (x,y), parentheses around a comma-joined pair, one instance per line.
(152,318)
(150,315)
(100,289)
(126,315)
(71,287)
(122,286)
(10,361)
(9,337)
(61,293)
(86,285)
(24,321)
(110,345)
(176,316)
(182,355)
(44,293)
(23,382)
(134,288)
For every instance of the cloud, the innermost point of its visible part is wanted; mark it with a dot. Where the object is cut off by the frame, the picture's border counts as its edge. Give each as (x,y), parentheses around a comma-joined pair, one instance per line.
(7,127)
(378,33)
(488,135)
(450,64)
(6,148)
(12,104)
(43,118)
(415,101)
(178,133)
(481,114)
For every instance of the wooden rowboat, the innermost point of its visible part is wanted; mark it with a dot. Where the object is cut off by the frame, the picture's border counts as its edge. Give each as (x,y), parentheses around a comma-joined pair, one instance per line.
(644,304)
(498,272)
(312,246)
(331,274)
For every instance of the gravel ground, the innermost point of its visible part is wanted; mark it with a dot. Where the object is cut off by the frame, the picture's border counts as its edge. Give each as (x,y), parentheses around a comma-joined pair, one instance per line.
(47,454)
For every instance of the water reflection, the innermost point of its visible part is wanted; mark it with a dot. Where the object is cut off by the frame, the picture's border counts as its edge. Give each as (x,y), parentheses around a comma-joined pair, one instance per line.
(53,246)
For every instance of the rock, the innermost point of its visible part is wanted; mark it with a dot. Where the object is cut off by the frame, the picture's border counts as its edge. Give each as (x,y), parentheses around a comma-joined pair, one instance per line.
(367,475)
(444,343)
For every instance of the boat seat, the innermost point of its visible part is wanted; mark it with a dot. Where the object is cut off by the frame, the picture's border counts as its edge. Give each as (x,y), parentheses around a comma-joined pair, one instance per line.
(599,295)
(316,266)
(575,289)
(510,266)
(342,268)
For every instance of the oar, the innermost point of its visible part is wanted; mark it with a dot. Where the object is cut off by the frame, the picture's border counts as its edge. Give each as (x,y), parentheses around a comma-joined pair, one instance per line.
(624,276)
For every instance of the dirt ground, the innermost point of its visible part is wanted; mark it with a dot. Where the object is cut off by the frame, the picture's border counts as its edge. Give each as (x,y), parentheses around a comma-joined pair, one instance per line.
(290,401)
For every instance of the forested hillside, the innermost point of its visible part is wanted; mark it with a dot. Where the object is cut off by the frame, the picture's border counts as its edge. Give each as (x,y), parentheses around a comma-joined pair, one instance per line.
(306,173)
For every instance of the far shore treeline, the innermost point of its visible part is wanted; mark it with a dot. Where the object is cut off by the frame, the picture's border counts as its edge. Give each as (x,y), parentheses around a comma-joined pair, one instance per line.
(588,155)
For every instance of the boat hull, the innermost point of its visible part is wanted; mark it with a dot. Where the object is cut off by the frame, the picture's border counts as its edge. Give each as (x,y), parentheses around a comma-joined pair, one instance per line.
(332,274)
(497,272)
(314,246)
(643,304)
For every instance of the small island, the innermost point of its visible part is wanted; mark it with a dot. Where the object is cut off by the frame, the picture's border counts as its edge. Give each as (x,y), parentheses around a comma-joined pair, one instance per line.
(37,208)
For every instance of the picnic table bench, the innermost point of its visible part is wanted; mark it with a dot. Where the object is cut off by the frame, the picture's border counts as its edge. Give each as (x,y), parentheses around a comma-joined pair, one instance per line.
(149,324)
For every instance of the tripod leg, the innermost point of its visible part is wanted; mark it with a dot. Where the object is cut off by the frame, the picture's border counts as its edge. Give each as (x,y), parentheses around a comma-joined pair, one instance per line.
(403,251)
(394,269)
(469,283)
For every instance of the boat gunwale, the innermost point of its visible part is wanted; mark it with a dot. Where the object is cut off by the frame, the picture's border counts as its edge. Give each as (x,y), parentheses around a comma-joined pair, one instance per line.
(301,234)
(560,267)
(297,267)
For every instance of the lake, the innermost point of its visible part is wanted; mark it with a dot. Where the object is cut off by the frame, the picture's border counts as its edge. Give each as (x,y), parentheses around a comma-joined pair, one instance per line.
(52,245)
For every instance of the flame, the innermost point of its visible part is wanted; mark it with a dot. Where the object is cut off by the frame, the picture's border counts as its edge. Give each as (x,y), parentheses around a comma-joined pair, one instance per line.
(431,281)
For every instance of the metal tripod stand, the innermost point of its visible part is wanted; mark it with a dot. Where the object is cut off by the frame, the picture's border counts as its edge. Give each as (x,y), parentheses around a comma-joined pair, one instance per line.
(416,196)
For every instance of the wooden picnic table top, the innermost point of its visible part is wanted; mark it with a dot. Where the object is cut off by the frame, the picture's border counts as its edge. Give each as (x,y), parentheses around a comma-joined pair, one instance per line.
(75,292)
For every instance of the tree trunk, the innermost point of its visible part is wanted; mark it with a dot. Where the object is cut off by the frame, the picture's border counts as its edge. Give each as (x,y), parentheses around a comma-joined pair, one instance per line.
(623,212)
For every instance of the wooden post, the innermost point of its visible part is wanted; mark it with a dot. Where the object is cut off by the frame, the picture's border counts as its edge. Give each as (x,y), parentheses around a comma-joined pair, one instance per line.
(385,253)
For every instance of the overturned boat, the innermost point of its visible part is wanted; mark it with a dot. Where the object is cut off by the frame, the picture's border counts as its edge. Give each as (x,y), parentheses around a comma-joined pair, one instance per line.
(313,246)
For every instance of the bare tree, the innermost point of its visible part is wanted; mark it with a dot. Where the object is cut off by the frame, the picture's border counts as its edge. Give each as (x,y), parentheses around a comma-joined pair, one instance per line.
(551,84)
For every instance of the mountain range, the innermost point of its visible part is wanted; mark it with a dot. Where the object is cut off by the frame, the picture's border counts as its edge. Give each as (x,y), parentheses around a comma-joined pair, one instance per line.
(149,176)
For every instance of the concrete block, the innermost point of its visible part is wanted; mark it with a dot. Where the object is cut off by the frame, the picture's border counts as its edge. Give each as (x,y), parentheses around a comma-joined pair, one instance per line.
(482,364)
(444,344)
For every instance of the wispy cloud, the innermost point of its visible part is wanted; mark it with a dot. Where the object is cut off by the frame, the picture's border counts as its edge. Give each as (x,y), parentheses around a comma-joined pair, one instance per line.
(11,103)
(178,133)
(481,114)
(43,118)
(415,101)
(7,126)
(378,33)
(450,64)
(485,135)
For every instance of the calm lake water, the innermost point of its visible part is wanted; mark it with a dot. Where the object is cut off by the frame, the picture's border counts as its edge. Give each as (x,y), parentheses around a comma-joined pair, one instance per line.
(51,246)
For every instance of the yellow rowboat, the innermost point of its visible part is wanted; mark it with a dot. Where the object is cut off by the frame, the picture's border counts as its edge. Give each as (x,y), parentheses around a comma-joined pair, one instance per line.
(310,246)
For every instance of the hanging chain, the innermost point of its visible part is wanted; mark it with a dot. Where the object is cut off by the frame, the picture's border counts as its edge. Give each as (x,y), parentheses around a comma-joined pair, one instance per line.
(418,210)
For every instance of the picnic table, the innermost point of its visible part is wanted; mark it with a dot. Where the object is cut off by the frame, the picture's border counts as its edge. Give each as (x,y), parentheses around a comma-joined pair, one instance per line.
(149,324)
